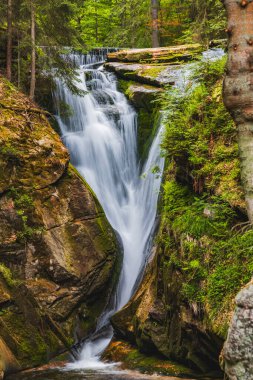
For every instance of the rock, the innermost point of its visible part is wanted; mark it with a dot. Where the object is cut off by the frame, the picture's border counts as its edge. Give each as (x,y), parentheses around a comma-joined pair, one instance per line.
(28,157)
(164,54)
(157,321)
(142,73)
(58,253)
(130,357)
(143,96)
(237,355)
(143,99)
(152,75)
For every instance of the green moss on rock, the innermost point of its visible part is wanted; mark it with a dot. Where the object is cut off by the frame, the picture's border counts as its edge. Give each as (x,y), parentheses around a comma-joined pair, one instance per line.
(132,358)
(144,99)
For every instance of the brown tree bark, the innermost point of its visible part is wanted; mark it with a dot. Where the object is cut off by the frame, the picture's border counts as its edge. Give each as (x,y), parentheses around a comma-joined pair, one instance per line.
(238,85)
(33,53)
(155,23)
(9,40)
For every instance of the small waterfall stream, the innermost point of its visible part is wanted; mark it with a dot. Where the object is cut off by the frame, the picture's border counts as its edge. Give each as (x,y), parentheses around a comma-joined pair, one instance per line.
(101,135)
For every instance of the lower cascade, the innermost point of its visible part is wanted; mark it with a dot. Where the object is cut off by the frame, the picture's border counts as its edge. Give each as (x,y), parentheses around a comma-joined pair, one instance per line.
(100,132)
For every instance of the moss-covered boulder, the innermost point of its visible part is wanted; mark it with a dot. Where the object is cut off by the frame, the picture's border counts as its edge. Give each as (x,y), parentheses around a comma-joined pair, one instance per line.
(57,250)
(154,75)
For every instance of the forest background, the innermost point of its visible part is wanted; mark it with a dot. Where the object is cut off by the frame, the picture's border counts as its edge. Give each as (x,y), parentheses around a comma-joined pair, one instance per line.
(34,32)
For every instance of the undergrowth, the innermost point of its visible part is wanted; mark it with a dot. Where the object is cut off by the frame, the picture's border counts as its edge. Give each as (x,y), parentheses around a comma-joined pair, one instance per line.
(204,229)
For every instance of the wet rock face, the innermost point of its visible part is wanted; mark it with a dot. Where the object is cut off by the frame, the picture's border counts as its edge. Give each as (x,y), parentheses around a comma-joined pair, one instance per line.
(57,250)
(156,320)
(237,353)
(143,97)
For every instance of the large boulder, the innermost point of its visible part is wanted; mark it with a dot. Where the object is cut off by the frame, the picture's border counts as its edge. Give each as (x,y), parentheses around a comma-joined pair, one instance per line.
(237,355)
(58,253)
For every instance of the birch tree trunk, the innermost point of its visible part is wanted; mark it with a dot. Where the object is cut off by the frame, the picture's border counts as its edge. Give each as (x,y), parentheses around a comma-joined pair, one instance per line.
(33,53)
(238,85)
(155,23)
(9,40)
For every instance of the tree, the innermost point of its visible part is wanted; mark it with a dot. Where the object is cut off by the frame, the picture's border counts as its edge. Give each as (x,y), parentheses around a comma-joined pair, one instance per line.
(238,85)
(33,52)
(9,40)
(155,23)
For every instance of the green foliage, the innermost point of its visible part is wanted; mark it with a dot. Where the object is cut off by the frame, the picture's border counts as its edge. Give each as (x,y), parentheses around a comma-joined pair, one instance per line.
(52,35)
(208,238)
(210,71)
(83,25)
(201,134)
(204,21)
(216,259)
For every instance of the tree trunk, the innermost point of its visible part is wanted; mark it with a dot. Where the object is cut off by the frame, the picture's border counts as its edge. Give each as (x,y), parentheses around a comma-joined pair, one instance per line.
(238,85)
(33,55)
(9,40)
(155,23)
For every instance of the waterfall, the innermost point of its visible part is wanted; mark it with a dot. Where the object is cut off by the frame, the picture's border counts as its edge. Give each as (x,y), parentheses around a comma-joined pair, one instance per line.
(101,135)
(100,132)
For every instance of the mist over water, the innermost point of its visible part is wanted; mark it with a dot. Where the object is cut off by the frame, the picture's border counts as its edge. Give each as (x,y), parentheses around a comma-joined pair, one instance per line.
(100,132)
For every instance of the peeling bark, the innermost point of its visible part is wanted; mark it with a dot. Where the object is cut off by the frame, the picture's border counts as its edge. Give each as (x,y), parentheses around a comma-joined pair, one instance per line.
(238,85)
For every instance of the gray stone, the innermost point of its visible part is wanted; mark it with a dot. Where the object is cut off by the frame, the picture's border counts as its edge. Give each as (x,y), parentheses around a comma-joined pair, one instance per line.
(238,348)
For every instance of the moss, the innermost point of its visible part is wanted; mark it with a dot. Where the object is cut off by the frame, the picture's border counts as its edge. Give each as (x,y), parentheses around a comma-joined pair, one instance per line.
(24,206)
(201,134)
(7,275)
(33,349)
(152,72)
(148,124)
(72,170)
(21,164)
(148,114)
(10,152)
(132,358)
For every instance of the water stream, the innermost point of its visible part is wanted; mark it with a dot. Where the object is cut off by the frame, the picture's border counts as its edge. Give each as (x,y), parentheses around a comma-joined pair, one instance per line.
(101,135)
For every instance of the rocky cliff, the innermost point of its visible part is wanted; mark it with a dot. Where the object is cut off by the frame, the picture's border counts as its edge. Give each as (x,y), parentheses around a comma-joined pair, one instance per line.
(58,254)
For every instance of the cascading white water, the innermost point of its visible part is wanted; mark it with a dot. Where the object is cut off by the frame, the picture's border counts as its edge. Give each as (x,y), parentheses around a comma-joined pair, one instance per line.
(101,135)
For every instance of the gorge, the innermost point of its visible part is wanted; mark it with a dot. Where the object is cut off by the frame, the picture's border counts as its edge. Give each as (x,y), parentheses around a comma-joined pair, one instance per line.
(65,259)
